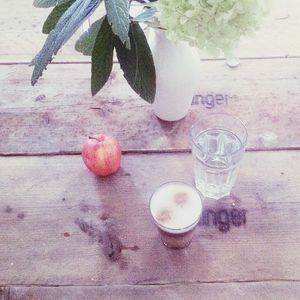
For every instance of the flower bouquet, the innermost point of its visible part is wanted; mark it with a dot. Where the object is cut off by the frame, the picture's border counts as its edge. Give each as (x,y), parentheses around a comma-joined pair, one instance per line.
(213,25)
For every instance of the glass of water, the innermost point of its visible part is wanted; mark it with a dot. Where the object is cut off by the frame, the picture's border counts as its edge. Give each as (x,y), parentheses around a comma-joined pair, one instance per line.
(218,143)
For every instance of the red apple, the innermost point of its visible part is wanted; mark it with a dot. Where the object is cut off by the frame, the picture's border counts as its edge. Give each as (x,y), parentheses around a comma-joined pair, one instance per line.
(102,154)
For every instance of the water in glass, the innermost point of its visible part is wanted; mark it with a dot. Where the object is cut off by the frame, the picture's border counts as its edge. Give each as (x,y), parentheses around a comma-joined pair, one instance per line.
(216,155)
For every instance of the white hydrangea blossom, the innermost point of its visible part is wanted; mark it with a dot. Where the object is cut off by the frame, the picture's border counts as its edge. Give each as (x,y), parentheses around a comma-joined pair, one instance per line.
(213,25)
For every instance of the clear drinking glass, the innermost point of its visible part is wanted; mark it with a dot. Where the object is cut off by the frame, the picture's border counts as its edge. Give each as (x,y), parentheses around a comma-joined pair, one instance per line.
(176,209)
(218,143)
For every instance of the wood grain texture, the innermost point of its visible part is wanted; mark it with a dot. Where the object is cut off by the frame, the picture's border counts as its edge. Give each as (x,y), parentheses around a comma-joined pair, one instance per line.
(60,225)
(4,293)
(22,24)
(56,116)
(21,36)
(217,291)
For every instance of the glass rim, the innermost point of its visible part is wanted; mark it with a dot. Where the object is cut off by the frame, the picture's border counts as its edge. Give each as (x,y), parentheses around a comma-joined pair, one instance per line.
(243,143)
(176,229)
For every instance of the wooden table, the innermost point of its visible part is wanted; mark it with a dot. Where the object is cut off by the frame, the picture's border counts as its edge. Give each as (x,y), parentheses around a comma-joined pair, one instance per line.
(65,234)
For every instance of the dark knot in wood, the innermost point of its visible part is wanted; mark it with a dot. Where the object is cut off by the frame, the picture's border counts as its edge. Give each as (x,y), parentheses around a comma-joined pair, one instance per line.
(112,246)
(104,234)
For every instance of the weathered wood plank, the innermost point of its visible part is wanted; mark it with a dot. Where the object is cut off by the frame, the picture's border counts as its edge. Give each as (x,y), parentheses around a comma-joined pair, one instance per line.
(232,291)
(4,292)
(22,24)
(22,38)
(60,225)
(56,116)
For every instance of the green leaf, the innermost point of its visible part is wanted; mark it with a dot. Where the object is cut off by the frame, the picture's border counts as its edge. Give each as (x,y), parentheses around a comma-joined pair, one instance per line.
(64,29)
(118,17)
(55,15)
(46,3)
(86,42)
(146,15)
(137,63)
(102,57)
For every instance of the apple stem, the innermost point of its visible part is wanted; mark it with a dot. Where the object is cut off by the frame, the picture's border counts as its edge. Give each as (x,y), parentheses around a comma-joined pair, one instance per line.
(94,138)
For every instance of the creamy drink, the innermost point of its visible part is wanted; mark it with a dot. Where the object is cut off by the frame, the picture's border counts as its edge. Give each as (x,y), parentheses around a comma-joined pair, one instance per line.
(176,209)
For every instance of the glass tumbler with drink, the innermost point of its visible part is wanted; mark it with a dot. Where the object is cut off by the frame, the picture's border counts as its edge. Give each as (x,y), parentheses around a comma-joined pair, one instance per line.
(176,209)
(218,144)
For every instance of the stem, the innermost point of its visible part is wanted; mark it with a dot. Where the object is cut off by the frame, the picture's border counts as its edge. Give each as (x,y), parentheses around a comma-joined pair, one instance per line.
(95,138)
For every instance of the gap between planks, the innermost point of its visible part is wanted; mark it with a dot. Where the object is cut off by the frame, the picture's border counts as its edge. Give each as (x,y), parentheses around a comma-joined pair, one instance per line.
(9,63)
(262,290)
(153,284)
(142,151)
